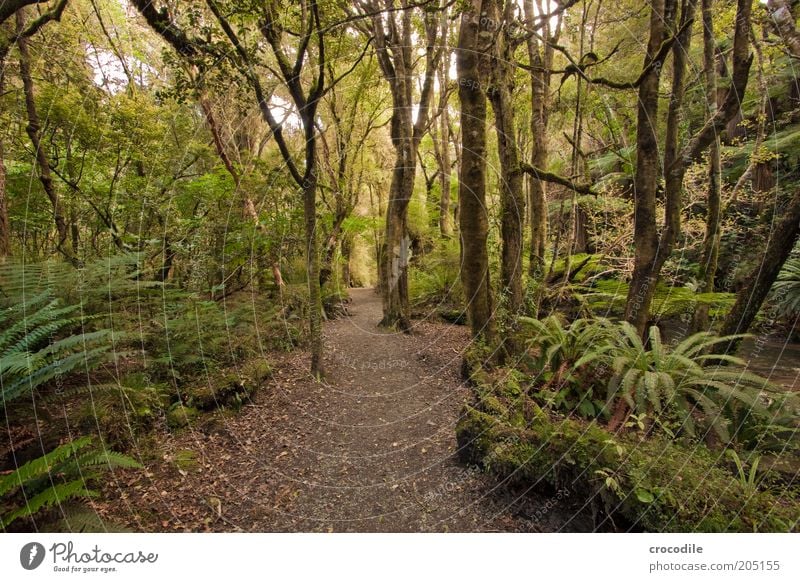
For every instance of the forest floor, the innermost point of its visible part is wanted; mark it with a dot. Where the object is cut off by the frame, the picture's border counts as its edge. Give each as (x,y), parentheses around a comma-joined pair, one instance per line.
(372,448)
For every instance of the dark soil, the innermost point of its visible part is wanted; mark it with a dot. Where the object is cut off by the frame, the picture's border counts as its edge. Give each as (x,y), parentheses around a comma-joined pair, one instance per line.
(372,448)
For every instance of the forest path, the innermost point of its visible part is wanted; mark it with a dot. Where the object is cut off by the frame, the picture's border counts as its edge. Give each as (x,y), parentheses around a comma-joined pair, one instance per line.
(372,448)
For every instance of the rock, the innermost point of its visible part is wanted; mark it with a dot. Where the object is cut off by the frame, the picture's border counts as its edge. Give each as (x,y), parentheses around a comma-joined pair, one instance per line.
(180,416)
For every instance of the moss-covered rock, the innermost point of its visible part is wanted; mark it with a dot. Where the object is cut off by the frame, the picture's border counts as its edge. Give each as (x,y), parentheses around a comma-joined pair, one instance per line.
(180,416)
(230,389)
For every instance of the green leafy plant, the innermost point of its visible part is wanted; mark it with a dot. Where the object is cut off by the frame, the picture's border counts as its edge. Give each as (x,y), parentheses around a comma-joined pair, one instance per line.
(569,360)
(29,354)
(686,380)
(749,480)
(63,474)
(786,290)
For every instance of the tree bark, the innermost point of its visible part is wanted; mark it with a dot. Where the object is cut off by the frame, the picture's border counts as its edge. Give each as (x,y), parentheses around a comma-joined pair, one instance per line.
(653,250)
(472,65)
(645,237)
(540,61)
(445,220)
(32,129)
(395,51)
(783,21)
(5,226)
(708,262)
(751,297)
(512,200)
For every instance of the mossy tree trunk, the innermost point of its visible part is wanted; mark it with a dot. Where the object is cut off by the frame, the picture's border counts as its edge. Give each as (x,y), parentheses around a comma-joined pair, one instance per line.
(472,65)
(708,262)
(394,43)
(33,129)
(540,55)
(651,249)
(512,199)
(5,235)
(751,297)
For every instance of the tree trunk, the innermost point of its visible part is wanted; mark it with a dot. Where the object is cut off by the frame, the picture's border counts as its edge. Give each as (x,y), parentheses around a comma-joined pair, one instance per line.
(750,298)
(445,221)
(645,236)
(471,64)
(512,200)
(5,226)
(32,129)
(397,58)
(783,21)
(540,62)
(398,243)
(653,250)
(312,263)
(708,262)
(5,238)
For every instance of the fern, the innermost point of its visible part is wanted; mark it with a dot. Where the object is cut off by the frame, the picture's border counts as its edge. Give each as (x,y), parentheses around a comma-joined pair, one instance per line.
(31,355)
(786,290)
(566,356)
(685,379)
(62,474)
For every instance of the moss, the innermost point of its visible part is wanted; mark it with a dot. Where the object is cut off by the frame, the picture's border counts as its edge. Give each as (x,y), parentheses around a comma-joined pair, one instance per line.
(180,416)
(652,484)
(230,389)
(186,460)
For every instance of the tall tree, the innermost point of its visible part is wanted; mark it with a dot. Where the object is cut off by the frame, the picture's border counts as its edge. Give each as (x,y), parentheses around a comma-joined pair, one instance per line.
(708,262)
(652,248)
(512,199)
(393,28)
(33,130)
(473,63)
(8,37)
(246,58)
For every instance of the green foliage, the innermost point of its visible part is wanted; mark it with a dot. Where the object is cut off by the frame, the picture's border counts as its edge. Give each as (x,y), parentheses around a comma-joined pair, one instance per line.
(37,345)
(608,296)
(586,366)
(435,282)
(786,290)
(749,480)
(681,380)
(568,360)
(652,483)
(63,474)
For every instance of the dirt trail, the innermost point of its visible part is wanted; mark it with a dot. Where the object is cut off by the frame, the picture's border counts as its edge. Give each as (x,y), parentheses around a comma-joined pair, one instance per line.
(370,449)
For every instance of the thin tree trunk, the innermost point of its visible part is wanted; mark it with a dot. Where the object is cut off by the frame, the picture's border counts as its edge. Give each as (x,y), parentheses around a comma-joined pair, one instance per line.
(512,199)
(653,250)
(445,220)
(32,129)
(472,63)
(443,157)
(312,258)
(708,263)
(397,59)
(5,226)
(645,237)
(540,90)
